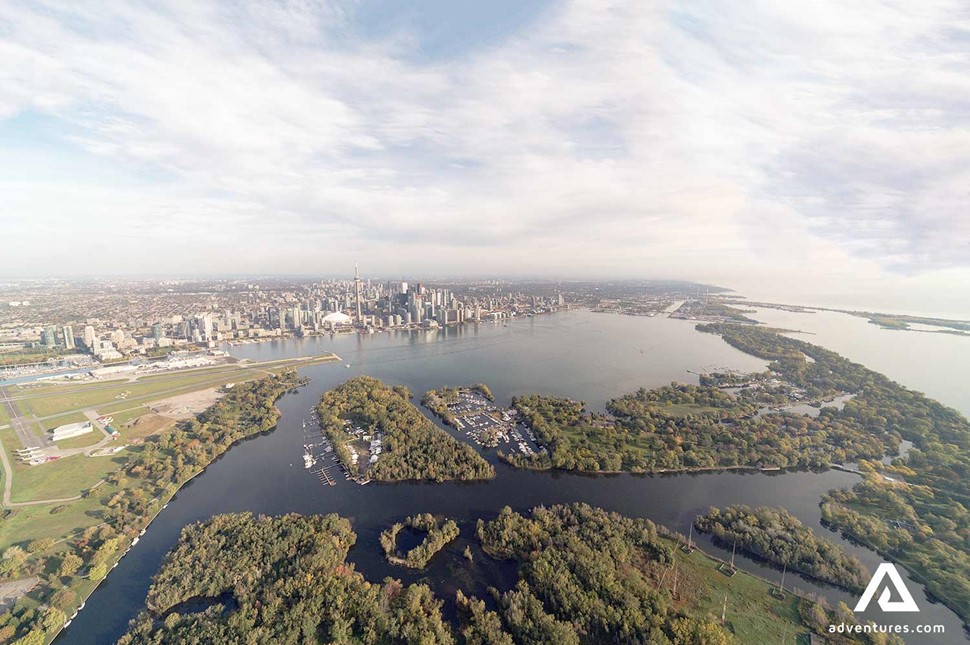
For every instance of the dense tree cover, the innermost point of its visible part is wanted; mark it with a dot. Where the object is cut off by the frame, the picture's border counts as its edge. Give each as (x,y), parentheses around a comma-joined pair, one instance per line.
(816,614)
(685,427)
(922,529)
(437,535)
(587,576)
(413,447)
(160,466)
(921,519)
(437,401)
(778,536)
(479,626)
(582,579)
(484,390)
(280,580)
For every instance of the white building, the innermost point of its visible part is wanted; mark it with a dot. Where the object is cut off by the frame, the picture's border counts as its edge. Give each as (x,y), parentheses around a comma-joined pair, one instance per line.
(89,337)
(72,430)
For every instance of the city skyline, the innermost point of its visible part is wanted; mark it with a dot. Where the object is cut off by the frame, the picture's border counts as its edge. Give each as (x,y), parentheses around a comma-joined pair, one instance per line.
(765,153)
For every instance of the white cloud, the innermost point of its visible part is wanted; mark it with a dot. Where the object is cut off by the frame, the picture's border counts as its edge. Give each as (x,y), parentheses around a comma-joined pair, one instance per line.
(630,138)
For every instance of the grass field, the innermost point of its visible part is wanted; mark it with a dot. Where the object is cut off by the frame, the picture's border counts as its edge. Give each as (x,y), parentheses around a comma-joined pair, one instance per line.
(753,614)
(74,417)
(44,405)
(117,395)
(63,478)
(27,522)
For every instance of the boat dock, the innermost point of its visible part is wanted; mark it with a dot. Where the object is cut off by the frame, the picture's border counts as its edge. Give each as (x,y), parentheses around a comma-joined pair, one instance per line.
(323,474)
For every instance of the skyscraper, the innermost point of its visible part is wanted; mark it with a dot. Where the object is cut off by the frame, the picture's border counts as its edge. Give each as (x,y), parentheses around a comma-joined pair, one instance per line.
(360,319)
(89,337)
(68,336)
(48,338)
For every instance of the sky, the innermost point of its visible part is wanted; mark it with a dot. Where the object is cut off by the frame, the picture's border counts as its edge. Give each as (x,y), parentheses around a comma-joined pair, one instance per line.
(811,151)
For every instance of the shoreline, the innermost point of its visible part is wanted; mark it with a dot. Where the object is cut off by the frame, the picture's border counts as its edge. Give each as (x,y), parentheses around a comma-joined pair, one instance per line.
(682,471)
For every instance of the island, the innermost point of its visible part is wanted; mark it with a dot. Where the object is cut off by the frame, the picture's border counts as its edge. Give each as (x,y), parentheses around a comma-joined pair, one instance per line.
(683,427)
(585,576)
(777,536)
(240,578)
(377,434)
(436,536)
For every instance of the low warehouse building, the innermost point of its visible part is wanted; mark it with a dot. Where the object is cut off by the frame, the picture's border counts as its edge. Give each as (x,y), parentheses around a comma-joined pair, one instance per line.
(72,430)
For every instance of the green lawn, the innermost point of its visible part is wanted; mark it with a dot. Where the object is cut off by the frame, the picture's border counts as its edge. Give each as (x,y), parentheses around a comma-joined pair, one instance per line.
(753,614)
(30,522)
(63,478)
(123,413)
(96,395)
(10,443)
(74,417)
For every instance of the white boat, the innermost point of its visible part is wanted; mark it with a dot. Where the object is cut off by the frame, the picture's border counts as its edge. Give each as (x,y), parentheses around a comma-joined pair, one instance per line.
(68,624)
(164,507)
(135,541)
(308,460)
(142,532)
(347,365)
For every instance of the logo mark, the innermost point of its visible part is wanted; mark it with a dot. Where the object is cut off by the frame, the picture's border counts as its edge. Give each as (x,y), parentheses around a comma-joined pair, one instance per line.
(906,602)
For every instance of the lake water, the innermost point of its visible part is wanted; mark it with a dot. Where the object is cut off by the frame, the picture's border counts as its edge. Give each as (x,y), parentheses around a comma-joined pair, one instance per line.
(583,355)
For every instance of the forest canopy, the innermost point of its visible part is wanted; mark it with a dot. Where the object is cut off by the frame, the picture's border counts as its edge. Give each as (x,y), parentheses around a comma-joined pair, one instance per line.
(776,535)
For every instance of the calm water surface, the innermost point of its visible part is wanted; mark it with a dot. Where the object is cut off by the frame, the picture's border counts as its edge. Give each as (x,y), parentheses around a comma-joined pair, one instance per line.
(587,356)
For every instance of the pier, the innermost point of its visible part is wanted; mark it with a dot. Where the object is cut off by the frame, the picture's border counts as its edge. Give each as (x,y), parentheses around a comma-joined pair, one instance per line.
(323,474)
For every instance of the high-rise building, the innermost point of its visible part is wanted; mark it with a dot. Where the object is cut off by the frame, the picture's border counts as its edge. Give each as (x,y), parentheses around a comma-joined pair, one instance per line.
(47,336)
(203,324)
(68,332)
(360,320)
(89,337)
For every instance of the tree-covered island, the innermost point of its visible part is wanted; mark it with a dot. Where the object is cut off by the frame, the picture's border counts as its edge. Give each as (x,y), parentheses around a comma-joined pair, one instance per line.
(436,536)
(779,537)
(364,413)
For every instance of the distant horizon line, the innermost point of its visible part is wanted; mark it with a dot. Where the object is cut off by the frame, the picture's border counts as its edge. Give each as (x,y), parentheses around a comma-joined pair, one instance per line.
(140,277)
